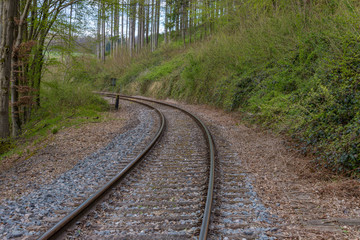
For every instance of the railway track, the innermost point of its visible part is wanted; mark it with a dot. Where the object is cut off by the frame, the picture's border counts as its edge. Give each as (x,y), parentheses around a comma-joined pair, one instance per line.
(168,195)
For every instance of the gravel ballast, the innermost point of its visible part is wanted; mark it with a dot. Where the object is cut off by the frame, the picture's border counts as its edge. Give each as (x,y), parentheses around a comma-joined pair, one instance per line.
(267,190)
(27,215)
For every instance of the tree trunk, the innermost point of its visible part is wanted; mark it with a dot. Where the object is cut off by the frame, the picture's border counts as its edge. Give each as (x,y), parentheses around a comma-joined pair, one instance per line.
(139,34)
(157,23)
(195,19)
(6,47)
(132,26)
(67,58)
(70,26)
(103,35)
(152,25)
(182,20)
(127,27)
(111,28)
(122,24)
(143,22)
(147,22)
(14,81)
(190,19)
(166,23)
(98,45)
(1,12)
(116,27)
(33,17)
(36,69)
(16,68)
(177,22)
(205,17)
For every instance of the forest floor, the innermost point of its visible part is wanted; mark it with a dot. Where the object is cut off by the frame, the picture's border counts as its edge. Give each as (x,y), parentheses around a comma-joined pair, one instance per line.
(45,161)
(311,203)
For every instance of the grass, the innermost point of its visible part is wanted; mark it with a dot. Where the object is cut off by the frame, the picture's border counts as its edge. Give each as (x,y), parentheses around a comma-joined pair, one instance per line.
(66,100)
(64,105)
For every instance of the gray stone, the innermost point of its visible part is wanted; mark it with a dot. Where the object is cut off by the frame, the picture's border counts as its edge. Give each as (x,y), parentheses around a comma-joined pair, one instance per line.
(16,234)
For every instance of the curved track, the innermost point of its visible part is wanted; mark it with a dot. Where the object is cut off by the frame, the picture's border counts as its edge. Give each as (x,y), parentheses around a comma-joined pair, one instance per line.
(168,196)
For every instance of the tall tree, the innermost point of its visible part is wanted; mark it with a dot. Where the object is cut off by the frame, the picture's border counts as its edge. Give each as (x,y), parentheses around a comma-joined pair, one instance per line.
(152,25)
(103,31)
(166,22)
(47,14)
(122,22)
(98,36)
(147,21)
(116,26)
(157,16)
(132,23)
(16,64)
(8,13)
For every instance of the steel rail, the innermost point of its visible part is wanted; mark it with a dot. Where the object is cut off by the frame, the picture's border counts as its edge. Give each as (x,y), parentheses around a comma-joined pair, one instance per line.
(209,199)
(70,219)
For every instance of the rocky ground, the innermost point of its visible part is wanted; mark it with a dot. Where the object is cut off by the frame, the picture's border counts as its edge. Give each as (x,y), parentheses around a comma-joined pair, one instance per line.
(33,202)
(59,153)
(309,203)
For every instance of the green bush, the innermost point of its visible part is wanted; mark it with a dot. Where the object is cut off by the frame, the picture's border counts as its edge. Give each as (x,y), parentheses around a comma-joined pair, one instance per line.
(64,104)
(58,96)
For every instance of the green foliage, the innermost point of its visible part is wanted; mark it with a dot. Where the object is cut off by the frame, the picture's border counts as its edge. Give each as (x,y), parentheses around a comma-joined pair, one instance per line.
(6,146)
(333,122)
(291,68)
(157,72)
(83,69)
(54,130)
(64,104)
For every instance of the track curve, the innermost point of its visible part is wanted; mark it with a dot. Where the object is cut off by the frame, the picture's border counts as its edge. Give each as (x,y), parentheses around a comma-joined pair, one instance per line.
(69,220)
(211,145)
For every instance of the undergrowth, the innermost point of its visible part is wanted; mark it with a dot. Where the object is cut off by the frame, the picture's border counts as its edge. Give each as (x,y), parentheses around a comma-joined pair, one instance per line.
(291,69)
(64,105)
(66,100)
